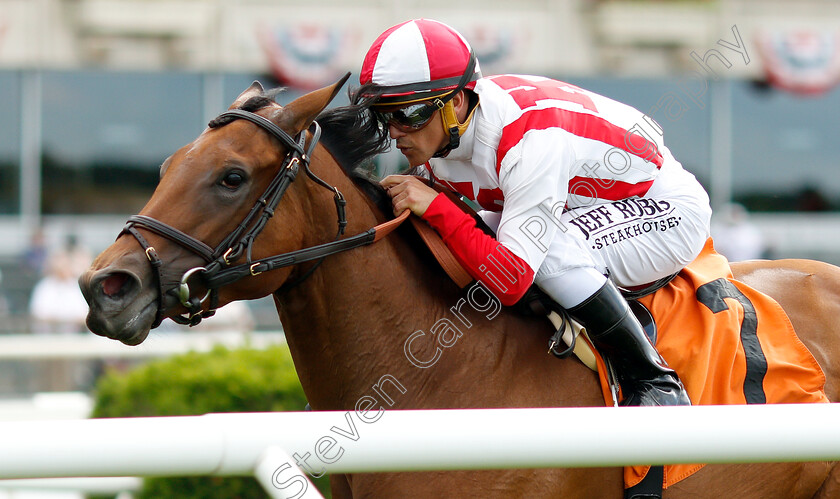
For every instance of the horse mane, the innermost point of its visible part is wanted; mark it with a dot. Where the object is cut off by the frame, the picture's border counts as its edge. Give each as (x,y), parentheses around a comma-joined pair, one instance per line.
(354,137)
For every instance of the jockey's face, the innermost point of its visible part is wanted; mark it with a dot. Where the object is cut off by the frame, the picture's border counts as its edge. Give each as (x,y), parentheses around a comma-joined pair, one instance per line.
(419,144)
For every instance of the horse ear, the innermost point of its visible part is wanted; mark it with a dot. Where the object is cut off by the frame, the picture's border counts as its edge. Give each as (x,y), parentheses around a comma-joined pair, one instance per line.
(301,112)
(255,89)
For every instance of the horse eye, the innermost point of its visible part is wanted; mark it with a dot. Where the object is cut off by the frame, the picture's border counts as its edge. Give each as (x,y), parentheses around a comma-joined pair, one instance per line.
(233,180)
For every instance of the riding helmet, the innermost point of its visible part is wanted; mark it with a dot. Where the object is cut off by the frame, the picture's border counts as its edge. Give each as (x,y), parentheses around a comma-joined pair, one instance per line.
(419,60)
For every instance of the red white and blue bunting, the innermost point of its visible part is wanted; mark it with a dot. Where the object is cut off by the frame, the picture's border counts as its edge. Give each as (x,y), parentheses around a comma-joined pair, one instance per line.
(309,56)
(804,62)
(306,56)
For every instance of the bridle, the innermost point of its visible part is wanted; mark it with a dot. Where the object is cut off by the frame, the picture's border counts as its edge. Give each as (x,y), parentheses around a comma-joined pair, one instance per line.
(219,270)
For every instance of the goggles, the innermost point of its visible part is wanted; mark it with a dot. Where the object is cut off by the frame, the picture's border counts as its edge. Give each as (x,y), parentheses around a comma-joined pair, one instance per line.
(409,118)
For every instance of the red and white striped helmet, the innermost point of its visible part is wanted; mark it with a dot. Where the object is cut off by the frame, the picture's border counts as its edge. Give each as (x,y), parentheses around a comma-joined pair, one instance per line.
(419,60)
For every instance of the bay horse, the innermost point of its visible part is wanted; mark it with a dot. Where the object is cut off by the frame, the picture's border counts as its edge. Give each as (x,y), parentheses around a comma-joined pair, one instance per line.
(347,317)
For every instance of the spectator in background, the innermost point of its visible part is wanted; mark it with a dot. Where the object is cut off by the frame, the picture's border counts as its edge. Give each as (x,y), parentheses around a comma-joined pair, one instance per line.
(34,257)
(57,304)
(735,236)
(71,260)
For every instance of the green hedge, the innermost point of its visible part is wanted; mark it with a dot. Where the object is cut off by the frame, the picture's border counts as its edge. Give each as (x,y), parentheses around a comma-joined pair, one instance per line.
(223,380)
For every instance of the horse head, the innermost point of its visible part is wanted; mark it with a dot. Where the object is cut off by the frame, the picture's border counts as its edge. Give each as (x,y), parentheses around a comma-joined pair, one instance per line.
(217,208)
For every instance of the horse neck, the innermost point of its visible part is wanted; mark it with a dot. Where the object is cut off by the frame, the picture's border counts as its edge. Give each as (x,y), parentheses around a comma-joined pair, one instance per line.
(345,323)
(348,324)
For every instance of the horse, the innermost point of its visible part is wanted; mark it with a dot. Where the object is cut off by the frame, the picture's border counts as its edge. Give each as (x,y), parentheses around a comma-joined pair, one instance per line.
(348,315)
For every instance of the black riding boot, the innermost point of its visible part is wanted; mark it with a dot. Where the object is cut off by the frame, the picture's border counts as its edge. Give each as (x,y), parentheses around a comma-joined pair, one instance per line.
(644,376)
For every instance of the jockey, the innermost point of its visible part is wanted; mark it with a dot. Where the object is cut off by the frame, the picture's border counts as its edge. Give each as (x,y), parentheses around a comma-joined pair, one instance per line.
(584,196)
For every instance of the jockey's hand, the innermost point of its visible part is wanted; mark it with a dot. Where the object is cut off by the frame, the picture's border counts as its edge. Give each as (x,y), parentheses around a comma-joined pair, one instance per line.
(409,192)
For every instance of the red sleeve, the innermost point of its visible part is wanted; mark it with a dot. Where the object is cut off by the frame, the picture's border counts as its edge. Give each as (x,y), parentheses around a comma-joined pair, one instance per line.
(483,257)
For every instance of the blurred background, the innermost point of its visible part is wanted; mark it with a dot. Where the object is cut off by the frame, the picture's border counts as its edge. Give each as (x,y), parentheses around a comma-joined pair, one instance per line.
(95,94)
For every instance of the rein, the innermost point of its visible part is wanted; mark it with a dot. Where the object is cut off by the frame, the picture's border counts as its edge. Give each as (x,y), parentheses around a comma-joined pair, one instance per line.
(219,270)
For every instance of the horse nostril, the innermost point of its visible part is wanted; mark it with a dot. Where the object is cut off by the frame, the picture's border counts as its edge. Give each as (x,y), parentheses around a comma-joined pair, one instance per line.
(114,285)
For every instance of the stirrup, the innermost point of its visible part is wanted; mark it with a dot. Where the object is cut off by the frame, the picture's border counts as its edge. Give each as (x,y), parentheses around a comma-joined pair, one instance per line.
(564,335)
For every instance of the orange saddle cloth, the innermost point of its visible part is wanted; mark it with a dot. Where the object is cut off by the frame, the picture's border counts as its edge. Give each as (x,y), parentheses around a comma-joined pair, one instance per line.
(729,343)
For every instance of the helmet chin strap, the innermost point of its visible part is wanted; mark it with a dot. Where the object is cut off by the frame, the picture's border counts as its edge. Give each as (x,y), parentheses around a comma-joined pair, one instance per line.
(453,127)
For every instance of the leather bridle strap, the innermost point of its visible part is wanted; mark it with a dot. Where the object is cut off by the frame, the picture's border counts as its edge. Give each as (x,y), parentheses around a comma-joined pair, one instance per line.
(218,270)
(267,125)
(256,267)
(156,264)
(241,238)
(173,234)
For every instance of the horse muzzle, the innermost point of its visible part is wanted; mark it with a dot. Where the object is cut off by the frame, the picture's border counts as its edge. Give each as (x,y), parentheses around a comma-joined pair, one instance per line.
(121,308)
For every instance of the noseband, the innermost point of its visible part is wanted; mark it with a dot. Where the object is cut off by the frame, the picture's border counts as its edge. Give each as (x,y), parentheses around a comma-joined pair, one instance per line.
(219,270)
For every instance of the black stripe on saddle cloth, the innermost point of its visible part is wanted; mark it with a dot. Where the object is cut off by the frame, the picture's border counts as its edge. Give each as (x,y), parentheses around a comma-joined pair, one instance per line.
(730,344)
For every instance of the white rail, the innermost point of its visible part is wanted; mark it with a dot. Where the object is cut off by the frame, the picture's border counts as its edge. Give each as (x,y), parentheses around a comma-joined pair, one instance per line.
(98,485)
(89,346)
(234,444)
